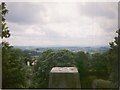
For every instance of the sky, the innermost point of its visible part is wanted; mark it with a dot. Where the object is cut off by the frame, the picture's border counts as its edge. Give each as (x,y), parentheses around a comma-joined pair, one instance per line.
(62,23)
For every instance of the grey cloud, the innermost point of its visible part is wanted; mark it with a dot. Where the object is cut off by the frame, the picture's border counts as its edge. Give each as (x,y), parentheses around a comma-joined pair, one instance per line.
(18,31)
(109,26)
(101,9)
(49,35)
(23,12)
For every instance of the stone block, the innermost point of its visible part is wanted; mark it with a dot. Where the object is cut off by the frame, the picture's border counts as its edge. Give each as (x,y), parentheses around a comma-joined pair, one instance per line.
(64,77)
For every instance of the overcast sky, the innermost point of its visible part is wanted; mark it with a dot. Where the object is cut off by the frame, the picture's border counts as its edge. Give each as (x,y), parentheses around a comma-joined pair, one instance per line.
(62,23)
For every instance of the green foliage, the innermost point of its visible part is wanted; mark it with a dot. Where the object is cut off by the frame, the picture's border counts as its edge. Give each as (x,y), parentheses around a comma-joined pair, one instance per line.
(5,31)
(100,83)
(13,68)
(100,65)
(113,56)
(46,61)
(82,63)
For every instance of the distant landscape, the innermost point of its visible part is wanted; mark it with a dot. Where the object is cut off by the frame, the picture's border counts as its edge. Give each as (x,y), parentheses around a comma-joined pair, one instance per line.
(35,50)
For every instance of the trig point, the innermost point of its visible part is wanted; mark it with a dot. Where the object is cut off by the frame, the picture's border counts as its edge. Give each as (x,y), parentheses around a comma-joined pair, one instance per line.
(64,77)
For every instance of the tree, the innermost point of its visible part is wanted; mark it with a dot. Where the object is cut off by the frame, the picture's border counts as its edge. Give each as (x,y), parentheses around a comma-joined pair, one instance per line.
(5,31)
(100,65)
(13,69)
(81,62)
(113,56)
(46,61)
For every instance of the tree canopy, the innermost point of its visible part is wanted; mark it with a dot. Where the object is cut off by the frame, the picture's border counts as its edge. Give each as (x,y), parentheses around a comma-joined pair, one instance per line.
(5,31)
(114,57)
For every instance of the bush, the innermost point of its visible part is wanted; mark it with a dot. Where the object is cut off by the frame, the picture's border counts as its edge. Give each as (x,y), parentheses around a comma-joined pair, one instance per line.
(13,68)
(100,83)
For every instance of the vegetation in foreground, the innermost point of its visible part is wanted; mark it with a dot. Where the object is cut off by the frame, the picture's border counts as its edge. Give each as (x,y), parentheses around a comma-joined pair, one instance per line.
(91,67)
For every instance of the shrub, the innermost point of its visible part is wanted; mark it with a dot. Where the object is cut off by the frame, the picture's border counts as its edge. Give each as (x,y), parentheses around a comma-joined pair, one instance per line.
(100,83)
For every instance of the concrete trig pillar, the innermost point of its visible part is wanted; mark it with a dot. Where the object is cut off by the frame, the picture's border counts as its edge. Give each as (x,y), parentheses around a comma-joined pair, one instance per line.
(64,77)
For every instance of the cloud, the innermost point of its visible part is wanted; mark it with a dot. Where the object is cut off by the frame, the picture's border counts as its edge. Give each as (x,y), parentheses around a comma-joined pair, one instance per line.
(62,24)
(101,9)
(23,12)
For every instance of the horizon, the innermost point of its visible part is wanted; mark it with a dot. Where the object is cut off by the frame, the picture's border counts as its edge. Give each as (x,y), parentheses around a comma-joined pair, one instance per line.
(57,46)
